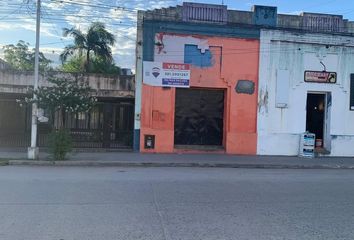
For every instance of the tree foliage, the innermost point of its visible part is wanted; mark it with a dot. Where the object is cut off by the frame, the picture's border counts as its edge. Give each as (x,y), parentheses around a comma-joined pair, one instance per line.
(62,96)
(22,58)
(98,65)
(74,64)
(60,143)
(96,43)
(65,95)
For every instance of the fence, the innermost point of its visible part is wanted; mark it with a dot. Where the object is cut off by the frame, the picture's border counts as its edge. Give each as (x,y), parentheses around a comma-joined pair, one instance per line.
(108,125)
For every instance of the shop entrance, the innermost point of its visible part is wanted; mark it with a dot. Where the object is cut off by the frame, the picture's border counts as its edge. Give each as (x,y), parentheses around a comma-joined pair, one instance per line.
(318,117)
(199,117)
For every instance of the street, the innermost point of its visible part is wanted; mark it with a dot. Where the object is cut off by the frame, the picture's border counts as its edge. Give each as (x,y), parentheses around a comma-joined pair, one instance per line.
(88,203)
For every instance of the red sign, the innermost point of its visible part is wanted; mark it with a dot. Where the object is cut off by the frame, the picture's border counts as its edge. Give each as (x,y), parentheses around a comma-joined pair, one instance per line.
(175,66)
(320,77)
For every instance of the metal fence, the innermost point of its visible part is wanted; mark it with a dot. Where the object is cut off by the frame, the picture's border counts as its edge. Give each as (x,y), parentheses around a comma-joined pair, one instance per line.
(108,125)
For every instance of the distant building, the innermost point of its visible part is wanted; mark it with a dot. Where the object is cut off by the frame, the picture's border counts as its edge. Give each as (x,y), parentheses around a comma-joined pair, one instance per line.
(126,72)
(243,82)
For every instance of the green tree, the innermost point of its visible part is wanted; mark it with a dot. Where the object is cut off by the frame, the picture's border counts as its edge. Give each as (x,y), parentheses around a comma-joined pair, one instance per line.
(96,42)
(20,57)
(74,64)
(65,96)
(62,97)
(98,65)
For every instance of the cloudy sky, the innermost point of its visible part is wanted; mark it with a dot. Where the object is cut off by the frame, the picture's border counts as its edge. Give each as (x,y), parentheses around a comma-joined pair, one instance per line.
(17,19)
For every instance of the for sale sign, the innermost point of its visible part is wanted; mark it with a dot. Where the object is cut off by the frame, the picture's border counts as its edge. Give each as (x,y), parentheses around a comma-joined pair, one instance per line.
(320,77)
(166,74)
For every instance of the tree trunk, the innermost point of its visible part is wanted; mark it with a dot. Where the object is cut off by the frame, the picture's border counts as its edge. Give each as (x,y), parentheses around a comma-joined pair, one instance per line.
(87,60)
(64,116)
(61,119)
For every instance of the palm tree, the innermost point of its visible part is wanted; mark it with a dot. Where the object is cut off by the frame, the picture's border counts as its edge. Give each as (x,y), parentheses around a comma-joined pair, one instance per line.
(97,40)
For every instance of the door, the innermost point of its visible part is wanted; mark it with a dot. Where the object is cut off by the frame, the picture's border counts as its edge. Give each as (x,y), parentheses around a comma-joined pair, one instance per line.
(107,124)
(315,120)
(327,122)
(199,117)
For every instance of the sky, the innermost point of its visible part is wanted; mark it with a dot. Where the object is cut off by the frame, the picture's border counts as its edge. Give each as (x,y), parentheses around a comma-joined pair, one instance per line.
(17,19)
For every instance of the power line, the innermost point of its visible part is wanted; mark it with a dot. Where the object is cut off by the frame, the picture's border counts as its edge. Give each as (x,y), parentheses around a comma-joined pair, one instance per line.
(95,6)
(110,7)
(60,20)
(53,26)
(53,43)
(16,10)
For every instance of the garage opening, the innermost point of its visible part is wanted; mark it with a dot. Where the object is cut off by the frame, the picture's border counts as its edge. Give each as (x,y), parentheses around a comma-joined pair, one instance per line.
(199,117)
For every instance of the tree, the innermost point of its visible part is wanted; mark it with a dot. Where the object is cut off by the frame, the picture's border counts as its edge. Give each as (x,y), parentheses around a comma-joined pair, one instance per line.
(98,65)
(96,42)
(74,64)
(20,57)
(62,97)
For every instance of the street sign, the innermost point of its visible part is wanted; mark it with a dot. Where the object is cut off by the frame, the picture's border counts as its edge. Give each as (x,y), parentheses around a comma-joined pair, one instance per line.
(320,77)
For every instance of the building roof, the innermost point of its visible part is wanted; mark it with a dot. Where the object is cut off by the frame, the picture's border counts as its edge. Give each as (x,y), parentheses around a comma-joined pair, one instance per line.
(258,16)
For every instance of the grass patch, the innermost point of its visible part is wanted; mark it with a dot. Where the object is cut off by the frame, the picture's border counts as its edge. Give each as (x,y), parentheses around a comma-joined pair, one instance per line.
(4,162)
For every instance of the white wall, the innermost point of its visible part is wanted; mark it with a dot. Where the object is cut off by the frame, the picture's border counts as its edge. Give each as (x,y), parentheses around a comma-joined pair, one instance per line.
(173,47)
(279,128)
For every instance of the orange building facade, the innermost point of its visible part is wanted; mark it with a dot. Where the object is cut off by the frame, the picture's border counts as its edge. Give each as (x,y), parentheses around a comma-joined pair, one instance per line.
(227,66)
(218,111)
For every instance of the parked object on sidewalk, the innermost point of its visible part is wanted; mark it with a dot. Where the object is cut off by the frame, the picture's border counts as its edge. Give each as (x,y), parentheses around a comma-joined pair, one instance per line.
(307,145)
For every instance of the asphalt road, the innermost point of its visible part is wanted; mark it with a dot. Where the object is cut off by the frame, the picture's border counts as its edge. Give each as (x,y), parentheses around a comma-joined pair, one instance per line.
(66,203)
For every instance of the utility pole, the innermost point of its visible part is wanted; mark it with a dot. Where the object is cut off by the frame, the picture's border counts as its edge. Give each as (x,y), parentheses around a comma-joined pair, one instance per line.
(33,151)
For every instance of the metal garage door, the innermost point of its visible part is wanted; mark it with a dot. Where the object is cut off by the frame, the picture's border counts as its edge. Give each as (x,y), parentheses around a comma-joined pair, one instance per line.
(199,117)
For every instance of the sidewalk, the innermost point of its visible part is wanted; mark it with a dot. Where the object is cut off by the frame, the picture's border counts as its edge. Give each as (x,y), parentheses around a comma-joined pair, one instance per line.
(128,159)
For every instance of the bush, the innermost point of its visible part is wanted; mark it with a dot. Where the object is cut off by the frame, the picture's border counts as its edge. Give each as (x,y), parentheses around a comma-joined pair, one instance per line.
(60,144)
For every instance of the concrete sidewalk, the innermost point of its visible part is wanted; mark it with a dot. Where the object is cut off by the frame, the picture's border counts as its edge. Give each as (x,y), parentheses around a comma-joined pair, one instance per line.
(18,157)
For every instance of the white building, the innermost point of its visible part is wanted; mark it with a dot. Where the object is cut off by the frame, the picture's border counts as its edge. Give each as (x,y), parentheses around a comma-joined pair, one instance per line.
(290,104)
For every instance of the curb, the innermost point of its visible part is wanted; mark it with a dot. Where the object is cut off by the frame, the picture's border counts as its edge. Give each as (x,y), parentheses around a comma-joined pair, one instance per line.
(171,164)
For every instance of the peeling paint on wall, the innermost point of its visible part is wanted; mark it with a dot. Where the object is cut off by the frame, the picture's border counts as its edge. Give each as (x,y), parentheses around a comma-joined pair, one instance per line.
(159,42)
(171,47)
(263,101)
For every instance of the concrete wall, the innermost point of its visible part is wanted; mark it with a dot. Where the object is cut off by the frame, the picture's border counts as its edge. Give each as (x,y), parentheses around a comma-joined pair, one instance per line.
(106,85)
(4,65)
(233,59)
(279,128)
(163,14)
